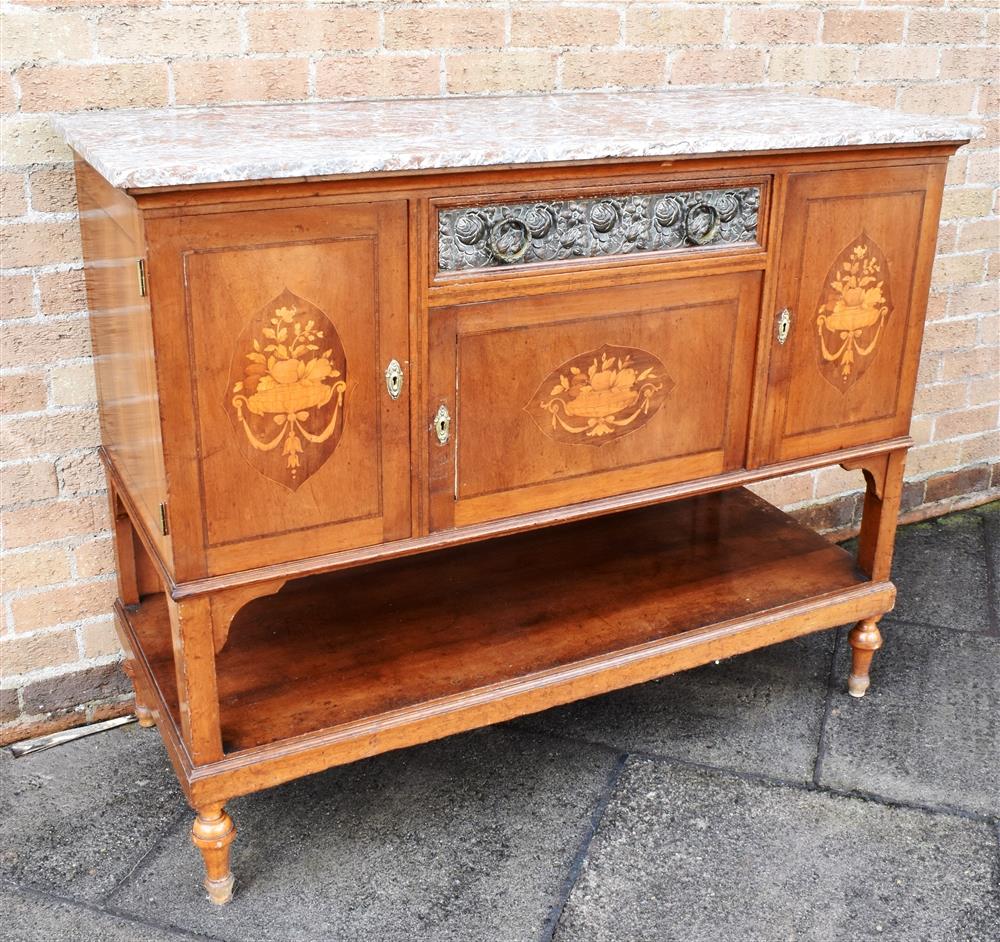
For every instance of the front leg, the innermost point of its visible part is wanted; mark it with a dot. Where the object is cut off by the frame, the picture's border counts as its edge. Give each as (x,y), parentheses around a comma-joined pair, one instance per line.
(212,833)
(865,639)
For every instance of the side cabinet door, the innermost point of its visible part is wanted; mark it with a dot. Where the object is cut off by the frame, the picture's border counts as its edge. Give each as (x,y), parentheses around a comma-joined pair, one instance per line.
(854,270)
(576,396)
(283,428)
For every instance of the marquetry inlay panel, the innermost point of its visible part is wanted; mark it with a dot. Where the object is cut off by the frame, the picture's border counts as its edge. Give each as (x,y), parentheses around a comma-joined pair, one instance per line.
(491,236)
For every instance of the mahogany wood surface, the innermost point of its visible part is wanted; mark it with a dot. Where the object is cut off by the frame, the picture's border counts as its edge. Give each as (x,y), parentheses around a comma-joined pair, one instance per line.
(322,582)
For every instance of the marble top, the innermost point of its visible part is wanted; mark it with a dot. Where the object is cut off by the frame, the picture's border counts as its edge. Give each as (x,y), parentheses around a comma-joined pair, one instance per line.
(134,149)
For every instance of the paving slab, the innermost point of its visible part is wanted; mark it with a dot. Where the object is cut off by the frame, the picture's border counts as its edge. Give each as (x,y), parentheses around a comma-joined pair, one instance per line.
(928,730)
(466,839)
(940,572)
(760,711)
(688,854)
(32,917)
(75,819)
(990,516)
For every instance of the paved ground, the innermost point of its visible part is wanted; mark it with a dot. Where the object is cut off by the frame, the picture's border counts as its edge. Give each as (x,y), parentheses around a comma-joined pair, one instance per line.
(752,800)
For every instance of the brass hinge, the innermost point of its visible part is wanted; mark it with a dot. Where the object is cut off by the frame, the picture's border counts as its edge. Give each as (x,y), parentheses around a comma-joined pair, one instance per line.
(164,526)
(140,269)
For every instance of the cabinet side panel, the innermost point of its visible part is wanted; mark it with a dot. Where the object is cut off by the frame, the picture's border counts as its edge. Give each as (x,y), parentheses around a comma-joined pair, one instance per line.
(122,338)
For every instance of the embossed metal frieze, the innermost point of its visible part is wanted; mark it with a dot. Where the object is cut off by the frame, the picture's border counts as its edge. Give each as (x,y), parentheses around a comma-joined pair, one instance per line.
(520,233)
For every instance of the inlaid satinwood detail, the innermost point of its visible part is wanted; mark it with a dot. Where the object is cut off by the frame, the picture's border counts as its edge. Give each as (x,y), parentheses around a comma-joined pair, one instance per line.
(496,235)
(853,311)
(601,395)
(286,389)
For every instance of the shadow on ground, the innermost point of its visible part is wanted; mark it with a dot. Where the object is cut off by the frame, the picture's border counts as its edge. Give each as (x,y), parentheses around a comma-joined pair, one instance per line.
(750,800)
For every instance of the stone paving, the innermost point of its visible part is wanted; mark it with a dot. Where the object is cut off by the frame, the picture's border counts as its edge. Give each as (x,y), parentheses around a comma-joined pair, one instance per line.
(750,800)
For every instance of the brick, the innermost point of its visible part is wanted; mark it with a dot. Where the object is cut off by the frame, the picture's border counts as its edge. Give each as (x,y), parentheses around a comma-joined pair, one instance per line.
(80,474)
(552,25)
(299,30)
(17,297)
(231,80)
(127,34)
(443,28)
(969,201)
(35,568)
(709,67)
(879,96)
(614,68)
(23,392)
(74,385)
(938,99)
(8,101)
(920,429)
(967,422)
(501,72)
(958,170)
(978,62)
(983,391)
(73,88)
(659,26)
(62,292)
(40,344)
(30,139)
(55,520)
(12,201)
(926,459)
(28,481)
(978,234)
(940,397)
(378,76)
(44,37)
(863,26)
(62,606)
(989,330)
(950,335)
(962,364)
(831,482)
(99,639)
(41,243)
(10,705)
(52,649)
(811,64)
(785,491)
(64,693)
(95,558)
(912,496)
(952,26)
(958,269)
(899,64)
(956,483)
(771,27)
(837,514)
(53,191)
(985,447)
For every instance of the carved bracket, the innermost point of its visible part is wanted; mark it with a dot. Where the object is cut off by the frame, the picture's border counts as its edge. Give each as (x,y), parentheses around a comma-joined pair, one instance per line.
(226,604)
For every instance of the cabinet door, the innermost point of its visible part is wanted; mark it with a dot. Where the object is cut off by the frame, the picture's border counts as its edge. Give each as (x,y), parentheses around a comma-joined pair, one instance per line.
(569,397)
(854,269)
(290,318)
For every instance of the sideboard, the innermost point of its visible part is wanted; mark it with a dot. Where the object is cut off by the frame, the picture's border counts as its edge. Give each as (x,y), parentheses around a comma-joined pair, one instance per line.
(423,415)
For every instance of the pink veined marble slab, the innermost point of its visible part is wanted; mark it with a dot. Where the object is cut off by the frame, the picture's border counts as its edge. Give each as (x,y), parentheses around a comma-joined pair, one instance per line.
(133,149)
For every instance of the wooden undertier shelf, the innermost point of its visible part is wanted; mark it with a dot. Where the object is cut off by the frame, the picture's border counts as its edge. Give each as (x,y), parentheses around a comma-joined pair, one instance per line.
(537,618)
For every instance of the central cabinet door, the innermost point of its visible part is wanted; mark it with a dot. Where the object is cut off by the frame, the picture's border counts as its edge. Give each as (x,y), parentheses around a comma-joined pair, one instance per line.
(536,402)
(292,318)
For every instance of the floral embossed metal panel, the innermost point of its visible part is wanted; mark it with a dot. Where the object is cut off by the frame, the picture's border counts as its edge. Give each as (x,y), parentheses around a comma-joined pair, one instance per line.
(601,395)
(856,303)
(844,376)
(292,317)
(490,236)
(288,377)
(578,395)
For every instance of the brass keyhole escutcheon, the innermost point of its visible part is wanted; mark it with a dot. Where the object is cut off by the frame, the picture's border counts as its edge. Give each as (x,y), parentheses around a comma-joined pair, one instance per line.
(442,424)
(783,325)
(394,379)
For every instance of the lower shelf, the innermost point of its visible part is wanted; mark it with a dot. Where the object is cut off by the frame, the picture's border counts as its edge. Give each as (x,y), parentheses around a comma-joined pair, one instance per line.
(464,637)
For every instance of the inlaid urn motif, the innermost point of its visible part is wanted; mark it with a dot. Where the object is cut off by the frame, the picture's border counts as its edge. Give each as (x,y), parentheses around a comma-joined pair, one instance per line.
(600,396)
(287,385)
(852,311)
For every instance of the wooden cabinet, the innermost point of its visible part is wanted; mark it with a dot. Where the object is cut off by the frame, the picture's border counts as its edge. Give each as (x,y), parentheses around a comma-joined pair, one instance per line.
(852,277)
(576,395)
(395,455)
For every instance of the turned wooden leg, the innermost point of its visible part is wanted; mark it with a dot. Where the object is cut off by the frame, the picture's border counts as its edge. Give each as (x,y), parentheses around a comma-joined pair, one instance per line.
(143,712)
(865,640)
(212,833)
